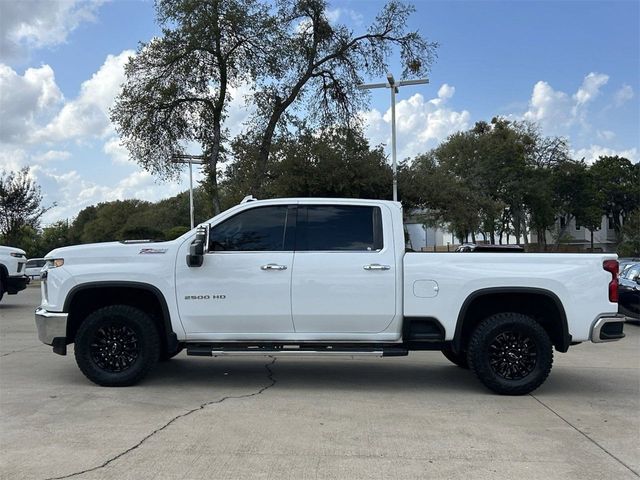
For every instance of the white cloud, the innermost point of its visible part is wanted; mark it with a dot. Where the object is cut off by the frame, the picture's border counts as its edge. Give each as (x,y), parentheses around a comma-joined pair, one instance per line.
(12,158)
(40,23)
(606,134)
(52,156)
(420,124)
(238,112)
(592,153)
(590,88)
(623,95)
(116,151)
(72,192)
(556,111)
(24,99)
(336,14)
(88,114)
(548,106)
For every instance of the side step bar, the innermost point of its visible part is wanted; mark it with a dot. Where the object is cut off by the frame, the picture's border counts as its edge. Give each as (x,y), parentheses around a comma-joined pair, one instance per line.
(204,350)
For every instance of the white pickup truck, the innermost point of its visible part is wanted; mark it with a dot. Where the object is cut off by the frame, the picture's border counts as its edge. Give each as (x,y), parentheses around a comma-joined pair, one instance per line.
(12,276)
(310,276)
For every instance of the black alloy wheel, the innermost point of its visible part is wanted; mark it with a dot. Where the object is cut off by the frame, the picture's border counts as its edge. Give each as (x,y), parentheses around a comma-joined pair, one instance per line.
(117,345)
(510,353)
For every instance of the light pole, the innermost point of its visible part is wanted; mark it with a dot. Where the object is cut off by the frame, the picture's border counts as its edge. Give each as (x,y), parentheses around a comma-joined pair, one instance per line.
(190,159)
(393,86)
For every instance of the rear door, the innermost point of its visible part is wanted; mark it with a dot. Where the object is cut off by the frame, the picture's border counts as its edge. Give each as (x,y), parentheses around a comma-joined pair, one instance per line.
(344,270)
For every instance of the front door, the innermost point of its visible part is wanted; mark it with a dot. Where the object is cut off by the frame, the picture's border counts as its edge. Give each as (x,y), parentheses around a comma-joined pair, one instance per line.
(244,285)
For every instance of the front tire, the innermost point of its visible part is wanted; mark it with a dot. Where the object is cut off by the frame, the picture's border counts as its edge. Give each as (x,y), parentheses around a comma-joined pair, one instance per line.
(510,353)
(116,346)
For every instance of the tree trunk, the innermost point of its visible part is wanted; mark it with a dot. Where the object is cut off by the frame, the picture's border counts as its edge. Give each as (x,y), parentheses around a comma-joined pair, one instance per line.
(591,235)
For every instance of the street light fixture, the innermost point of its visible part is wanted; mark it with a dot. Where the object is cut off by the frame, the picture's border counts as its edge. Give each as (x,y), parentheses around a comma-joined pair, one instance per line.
(393,86)
(190,159)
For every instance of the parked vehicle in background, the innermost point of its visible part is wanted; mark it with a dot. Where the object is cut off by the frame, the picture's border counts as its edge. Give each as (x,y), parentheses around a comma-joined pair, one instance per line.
(484,247)
(625,263)
(12,276)
(629,292)
(318,276)
(33,267)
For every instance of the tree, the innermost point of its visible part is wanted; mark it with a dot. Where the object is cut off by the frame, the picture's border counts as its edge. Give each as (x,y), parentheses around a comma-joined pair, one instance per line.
(336,162)
(177,86)
(20,205)
(617,182)
(315,67)
(630,245)
(495,178)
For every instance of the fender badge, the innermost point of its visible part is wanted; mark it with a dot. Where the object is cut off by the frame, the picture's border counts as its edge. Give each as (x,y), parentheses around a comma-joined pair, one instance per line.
(152,250)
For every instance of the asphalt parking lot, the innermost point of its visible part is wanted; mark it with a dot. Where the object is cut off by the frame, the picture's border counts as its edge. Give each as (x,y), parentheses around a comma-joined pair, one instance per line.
(411,417)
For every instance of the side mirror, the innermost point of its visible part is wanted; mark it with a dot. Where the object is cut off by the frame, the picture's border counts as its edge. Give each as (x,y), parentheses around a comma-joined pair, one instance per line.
(198,247)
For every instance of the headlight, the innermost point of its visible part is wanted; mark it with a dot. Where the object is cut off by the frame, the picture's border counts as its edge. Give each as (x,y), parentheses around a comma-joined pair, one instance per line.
(18,255)
(55,262)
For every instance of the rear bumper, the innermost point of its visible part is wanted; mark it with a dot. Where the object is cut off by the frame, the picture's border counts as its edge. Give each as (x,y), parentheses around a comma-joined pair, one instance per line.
(607,328)
(16,284)
(52,329)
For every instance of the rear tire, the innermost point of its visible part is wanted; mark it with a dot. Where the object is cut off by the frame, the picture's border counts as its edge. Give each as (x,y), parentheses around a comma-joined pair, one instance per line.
(510,353)
(116,346)
(459,359)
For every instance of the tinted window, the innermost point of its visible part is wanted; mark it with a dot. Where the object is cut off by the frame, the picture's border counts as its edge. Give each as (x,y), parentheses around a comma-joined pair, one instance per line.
(331,227)
(258,229)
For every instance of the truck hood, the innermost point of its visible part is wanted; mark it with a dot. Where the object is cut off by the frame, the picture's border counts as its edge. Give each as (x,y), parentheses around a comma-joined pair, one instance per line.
(7,250)
(110,252)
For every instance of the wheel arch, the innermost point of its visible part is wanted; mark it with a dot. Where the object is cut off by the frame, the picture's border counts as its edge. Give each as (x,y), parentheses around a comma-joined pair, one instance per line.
(87,297)
(544,305)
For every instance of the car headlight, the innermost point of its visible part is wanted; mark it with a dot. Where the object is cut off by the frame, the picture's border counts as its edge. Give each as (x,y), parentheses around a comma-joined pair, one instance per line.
(17,255)
(55,262)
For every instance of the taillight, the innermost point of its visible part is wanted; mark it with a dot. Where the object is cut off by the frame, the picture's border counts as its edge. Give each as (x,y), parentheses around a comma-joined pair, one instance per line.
(611,266)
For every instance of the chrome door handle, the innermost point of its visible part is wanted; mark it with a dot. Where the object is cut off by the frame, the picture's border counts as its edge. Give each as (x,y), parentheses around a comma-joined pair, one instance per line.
(376,266)
(273,266)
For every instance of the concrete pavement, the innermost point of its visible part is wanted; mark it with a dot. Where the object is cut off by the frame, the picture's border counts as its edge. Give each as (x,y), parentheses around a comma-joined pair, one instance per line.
(338,418)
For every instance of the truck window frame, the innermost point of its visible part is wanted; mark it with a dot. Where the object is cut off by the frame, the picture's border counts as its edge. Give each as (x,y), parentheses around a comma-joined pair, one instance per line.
(377,225)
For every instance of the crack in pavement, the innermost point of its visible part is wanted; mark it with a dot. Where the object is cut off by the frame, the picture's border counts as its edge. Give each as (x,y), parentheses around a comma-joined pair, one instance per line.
(584,435)
(177,417)
(21,350)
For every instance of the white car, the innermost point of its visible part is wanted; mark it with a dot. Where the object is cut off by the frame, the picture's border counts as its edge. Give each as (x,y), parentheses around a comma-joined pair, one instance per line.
(307,276)
(34,267)
(12,276)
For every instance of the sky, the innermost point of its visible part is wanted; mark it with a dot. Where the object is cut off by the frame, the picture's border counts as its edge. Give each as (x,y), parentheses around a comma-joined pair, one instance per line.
(571,66)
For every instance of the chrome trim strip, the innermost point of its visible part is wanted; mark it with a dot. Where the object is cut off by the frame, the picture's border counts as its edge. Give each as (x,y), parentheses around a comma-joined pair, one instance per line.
(276,353)
(50,325)
(601,322)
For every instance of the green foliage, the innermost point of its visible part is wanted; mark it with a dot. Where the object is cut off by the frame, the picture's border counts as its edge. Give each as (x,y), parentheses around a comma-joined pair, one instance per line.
(505,178)
(336,162)
(630,245)
(617,184)
(20,206)
(178,85)
(175,232)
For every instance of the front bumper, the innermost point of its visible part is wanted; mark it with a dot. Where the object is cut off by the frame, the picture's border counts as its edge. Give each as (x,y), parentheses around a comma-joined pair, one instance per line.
(607,328)
(17,284)
(52,329)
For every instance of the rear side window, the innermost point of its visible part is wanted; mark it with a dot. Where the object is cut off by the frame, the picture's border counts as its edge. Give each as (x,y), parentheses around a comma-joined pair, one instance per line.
(339,228)
(258,229)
